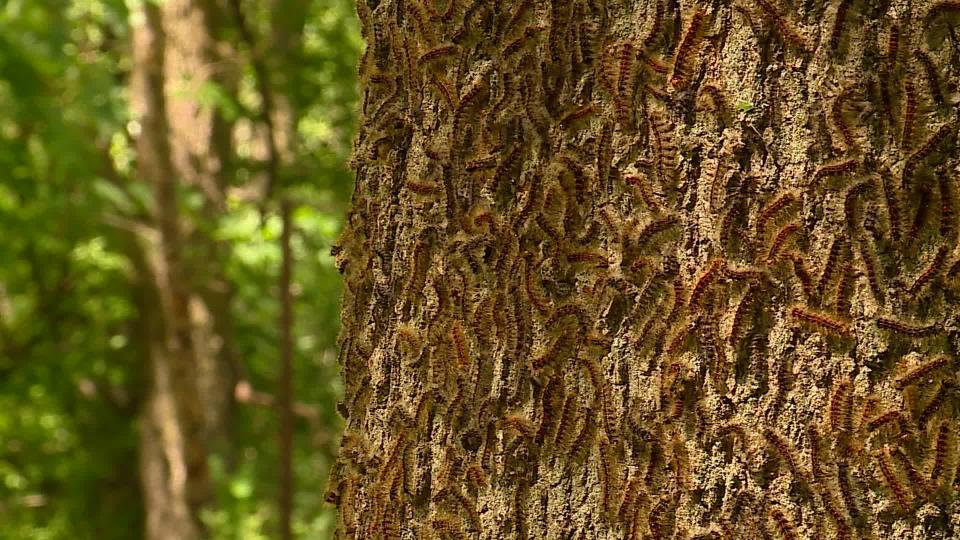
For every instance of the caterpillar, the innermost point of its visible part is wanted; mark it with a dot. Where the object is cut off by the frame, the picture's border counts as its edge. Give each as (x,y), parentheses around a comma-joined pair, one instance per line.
(919,154)
(894,325)
(719,103)
(640,183)
(836,114)
(893,44)
(806,281)
(893,206)
(514,46)
(843,482)
(821,321)
(706,279)
(932,75)
(816,468)
(841,18)
(909,113)
(655,227)
(830,263)
(631,494)
(519,424)
(890,477)
(687,49)
(783,524)
(786,31)
(552,400)
(933,405)
(654,31)
(739,314)
(842,303)
(838,168)
(841,417)
(785,451)
(771,209)
(870,266)
(780,239)
(931,271)
(940,452)
(850,200)
(438,52)
(576,114)
(883,419)
(915,374)
(947,224)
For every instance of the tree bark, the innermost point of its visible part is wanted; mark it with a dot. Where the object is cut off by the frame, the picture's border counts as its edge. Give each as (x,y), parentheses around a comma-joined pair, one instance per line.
(653,269)
(184,299)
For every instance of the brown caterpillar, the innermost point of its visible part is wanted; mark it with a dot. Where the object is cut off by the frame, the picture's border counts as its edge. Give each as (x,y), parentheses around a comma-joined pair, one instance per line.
(850,200)
(576,114)
(640,183)
(947,224)
(892,203)
(780,239)
(740,314)
(785,29)
(830,263)
(843,482)
(806,281)
(841,417)
(438,52)
(919,154)
(771,209)
(514,46)
(940,453)
(934,405)
(686,50)
(838,168)
(654,32)
(631,494)
(932,75)
(655,227)
(883,419)
(870,266)
(912,330)
(916,373)
(890,477)
(842,302)
(909,113)
(719,103)
(918,482)
(785,451)
(784,525)
(706,279)
(841,18)
(836,114)
(932,270)
(821,321)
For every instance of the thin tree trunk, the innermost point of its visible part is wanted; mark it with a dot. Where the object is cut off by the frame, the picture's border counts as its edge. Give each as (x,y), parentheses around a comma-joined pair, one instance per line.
(185,300)
(649,269)
(285,386)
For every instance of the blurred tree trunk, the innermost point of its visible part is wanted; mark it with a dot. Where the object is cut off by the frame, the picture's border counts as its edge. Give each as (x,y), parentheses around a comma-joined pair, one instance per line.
(183,145)
(578,266)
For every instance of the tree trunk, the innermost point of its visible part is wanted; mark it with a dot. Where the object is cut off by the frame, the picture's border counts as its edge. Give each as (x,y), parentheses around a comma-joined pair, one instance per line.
(654,269)
(185,300)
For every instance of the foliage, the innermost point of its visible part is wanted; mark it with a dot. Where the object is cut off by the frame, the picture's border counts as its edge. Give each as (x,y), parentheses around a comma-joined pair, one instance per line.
(71,364)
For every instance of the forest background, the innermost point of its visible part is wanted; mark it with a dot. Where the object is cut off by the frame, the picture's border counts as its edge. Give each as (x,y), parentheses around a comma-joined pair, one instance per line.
(74,363)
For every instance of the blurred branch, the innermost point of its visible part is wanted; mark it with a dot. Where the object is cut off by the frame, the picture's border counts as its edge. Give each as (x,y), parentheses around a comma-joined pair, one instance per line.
(244,393)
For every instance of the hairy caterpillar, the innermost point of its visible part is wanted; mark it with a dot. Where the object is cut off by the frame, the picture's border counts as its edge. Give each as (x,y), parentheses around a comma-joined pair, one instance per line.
(771,209)
(883,419)
(932,75)
(841,418)
(909,112)
(830,263)
(890,477)
(785,451)
(710,275)
(933,405)
(940,452)
(836,114)
(894,325)
(640,183)
(838,168)
(841,18)
(783,524)
(931,271)
(870,266)
(843,482)
(821,321)
(806,281)
(916,373)
(687,49)
(892,203)
(780,239)
(654,31)
(842,302)
(784,27)
(947,225)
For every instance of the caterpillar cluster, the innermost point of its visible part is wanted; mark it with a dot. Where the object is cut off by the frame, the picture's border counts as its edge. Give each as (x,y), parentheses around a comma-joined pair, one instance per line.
(561,265)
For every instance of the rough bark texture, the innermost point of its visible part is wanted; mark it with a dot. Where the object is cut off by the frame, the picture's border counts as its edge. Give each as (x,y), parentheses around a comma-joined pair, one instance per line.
(183,305)
(653,269)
